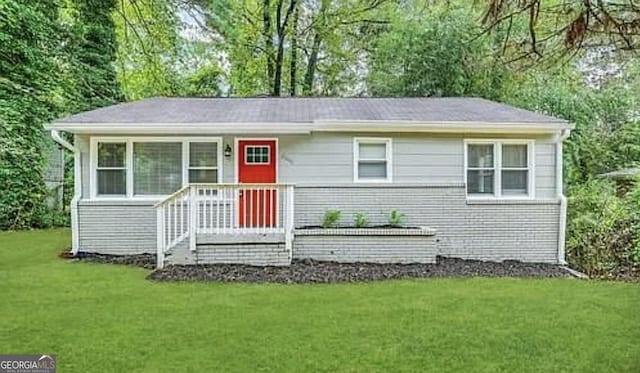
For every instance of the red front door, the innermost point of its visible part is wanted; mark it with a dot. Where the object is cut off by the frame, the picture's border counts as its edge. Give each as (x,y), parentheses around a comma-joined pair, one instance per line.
(257,207)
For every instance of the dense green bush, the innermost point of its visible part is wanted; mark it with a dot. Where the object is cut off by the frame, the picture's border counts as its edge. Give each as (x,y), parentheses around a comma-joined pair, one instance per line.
(28,98)
(602,228)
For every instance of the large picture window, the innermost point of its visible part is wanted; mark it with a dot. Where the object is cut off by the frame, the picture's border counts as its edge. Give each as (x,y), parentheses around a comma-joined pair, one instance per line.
(152,167)
(372,160)
(157,168)
(499,168)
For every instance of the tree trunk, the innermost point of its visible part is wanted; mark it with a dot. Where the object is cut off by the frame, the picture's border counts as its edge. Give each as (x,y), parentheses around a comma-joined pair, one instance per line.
(268,37)
(277,79)
(282,33)
(307,87)
(294,53)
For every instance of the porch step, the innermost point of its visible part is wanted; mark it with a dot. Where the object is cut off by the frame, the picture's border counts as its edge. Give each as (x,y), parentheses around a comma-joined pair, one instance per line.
(233,239)
(254,254)
(250,249)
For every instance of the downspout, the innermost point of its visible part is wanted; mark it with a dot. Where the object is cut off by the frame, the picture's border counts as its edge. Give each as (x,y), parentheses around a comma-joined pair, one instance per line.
(562,232)
(77,189)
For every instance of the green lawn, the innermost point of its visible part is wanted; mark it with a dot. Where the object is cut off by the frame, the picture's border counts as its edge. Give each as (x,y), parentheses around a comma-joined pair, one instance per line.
(109,318)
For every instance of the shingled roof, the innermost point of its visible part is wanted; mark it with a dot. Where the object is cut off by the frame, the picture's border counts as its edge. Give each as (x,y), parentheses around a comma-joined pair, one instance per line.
(308,110)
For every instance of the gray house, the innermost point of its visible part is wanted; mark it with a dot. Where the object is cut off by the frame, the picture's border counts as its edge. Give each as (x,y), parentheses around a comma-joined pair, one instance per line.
(250,180)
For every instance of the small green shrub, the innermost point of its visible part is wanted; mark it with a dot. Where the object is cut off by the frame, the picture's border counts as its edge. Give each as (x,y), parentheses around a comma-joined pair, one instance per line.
(331,218)
(396,218)
(360,220)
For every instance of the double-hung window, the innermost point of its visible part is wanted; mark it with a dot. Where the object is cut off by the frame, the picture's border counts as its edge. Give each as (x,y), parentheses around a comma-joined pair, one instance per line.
(203,162)
(152,167)
(111,169)
(499,169)
(372,160)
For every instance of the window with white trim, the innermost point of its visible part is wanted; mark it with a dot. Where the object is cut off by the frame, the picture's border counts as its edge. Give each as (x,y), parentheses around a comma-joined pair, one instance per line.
(499,168)
(481,169)
(203,162)
(111,169)
(515,170)
(372,160)
(152,167)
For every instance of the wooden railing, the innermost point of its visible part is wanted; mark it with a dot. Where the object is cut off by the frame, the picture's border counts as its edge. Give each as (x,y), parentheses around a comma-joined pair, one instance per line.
(232,209)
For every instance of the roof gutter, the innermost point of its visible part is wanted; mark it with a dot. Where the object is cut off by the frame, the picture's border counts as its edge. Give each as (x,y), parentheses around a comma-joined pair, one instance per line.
(562,231)
(77,188)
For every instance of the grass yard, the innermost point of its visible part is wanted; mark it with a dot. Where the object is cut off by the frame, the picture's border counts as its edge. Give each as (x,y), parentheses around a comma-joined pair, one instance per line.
(98,317)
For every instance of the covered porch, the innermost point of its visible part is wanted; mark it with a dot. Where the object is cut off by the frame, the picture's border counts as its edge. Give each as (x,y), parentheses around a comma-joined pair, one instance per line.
(225,219)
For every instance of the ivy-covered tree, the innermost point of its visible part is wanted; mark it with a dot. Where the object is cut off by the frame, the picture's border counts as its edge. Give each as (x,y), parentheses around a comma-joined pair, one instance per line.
(94,54)
(30,96)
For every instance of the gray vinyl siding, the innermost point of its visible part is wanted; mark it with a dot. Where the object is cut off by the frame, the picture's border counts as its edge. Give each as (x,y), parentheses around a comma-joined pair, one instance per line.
(327,159)
(545,161)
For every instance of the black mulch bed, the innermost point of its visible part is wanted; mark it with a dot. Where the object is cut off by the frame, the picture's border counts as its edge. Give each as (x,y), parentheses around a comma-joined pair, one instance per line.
(147,261)
(309,271)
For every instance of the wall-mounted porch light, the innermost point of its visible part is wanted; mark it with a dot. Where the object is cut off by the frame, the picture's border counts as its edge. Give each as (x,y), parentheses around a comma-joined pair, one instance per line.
(227,151)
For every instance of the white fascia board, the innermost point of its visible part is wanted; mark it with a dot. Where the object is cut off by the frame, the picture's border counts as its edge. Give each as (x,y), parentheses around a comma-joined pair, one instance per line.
(390,126)
(441,127)
(182,128)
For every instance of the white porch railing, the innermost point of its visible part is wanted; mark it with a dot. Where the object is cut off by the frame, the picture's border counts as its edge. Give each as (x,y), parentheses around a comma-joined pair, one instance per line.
(230,209)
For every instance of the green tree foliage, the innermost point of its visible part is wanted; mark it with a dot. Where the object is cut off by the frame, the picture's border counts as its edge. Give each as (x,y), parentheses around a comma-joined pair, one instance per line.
(605,137)
(205,82)
(292,47)
(29,97)
(160,54)
(438,55)
(147,48)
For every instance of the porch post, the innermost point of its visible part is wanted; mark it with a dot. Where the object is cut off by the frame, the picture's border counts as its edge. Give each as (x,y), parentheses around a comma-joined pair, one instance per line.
(160,237)
(290,221)
(193,218)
